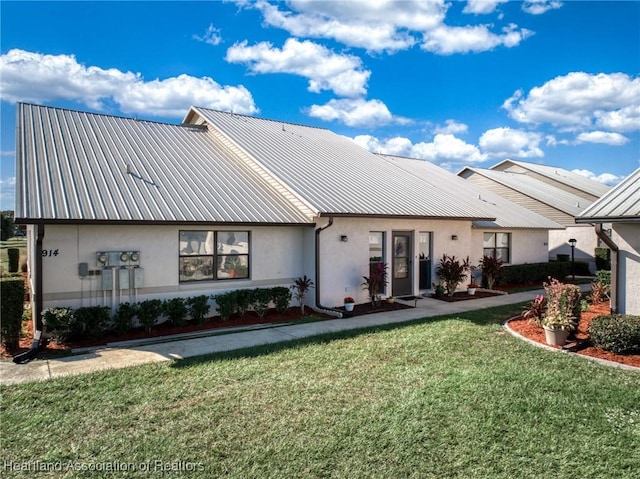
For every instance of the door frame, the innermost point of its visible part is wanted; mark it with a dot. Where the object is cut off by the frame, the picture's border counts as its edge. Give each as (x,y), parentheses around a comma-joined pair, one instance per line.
(402,264)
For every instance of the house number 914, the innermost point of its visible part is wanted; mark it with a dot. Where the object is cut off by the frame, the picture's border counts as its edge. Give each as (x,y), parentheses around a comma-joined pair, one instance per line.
(49,252)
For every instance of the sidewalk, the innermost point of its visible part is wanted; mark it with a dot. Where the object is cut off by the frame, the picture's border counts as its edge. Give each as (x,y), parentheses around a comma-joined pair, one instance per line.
(167,349)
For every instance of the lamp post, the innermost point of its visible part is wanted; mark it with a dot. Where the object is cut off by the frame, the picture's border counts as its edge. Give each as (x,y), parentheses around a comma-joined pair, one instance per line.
(573,242)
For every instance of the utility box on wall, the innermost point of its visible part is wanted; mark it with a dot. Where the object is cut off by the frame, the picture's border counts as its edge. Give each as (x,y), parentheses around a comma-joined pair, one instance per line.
(123,278)
(107,279)
(138,277)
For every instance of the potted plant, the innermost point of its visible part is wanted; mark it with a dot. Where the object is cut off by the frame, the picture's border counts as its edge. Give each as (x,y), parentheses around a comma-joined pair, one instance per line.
(471,288)
(349,303)
(562,313)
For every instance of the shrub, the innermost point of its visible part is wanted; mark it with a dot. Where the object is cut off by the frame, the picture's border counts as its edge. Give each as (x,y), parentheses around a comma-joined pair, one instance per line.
(603,258)
(198,308)
(92,321)
(491,269)
(260,299)
(281,298)
(225,304)
(12,294)
(533,272)
(563,305)
(617,333)
(176,311)
(452,272)
(536,310)
(13,255)
(61,324)
(123,319)
(243,298)
(301,287)
(148,313)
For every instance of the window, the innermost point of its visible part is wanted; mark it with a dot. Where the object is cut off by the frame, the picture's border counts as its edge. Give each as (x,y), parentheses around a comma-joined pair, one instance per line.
(214,255)
(497,245)
(376,253)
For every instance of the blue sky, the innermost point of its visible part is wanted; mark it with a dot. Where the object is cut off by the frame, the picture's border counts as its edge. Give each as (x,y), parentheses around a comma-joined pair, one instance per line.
(456,83)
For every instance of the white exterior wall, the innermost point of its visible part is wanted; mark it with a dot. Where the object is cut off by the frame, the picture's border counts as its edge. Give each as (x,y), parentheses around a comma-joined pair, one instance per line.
(627,237)
(343,264)
(527,246)
(585,247)
(276,255)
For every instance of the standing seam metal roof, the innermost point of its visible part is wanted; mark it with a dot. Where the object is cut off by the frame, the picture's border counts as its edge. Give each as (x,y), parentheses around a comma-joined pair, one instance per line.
(82,166)
(621,203)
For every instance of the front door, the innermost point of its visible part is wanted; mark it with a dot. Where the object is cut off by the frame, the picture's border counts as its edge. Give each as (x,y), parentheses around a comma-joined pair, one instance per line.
(402,266)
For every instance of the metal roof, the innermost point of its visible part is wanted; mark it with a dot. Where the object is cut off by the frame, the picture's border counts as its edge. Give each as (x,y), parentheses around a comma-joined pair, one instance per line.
(555,197)
(507,213)
(622,203)
(76,166)
(331,173)
(555,173)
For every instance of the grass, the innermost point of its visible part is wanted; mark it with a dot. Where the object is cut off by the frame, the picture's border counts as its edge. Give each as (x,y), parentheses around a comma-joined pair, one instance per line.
(450,397)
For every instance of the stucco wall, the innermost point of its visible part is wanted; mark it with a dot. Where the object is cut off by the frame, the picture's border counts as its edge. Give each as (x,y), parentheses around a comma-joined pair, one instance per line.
(527,246)
(627,237)
(277,255)
(585,247)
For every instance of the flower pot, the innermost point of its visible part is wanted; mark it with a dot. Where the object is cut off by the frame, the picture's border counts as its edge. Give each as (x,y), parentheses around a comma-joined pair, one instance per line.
(391,300)
(555,336)
(349,306)
(471,291)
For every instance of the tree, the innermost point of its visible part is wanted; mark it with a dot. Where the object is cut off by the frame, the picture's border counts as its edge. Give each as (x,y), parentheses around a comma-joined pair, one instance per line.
(8,226)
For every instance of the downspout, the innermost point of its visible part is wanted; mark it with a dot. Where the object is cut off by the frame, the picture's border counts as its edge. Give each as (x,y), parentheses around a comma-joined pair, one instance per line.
(37,310)
(318,305)
(614,265)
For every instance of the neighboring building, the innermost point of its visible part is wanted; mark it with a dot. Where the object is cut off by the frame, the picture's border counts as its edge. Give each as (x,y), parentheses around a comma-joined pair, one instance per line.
(121,209)
(554,193)
(621,208)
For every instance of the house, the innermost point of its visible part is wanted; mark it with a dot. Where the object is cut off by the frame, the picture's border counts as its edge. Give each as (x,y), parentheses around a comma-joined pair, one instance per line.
(621,208)
(121,209)
(552,192)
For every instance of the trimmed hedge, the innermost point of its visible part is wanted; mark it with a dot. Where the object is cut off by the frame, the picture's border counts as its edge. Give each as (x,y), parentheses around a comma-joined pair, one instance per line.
(618,333)
(13,255)
(533,272)
(11,308)
(258,299)
(603,258)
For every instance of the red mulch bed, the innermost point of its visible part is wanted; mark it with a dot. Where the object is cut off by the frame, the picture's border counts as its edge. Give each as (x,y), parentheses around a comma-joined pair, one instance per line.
(531,331)
(464,296)
(212,323)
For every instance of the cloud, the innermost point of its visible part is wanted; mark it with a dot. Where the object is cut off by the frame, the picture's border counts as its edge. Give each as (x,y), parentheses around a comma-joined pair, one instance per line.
(482,6)
(538,7)
(509,143)
(7,193)
(444,149)
(355,112)
(580,100)
(325,70)
(211,36)
(608,138)
(39,78)
(452,127)
(606,178)
(446,40)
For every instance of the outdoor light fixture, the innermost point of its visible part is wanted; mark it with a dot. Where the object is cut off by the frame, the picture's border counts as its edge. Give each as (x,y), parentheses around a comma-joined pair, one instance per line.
(573,242)
(344,238)
(454,237)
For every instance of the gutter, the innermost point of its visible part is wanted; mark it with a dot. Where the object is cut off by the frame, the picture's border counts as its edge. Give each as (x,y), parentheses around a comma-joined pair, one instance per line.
(38,325)
(614,265)
(319,306)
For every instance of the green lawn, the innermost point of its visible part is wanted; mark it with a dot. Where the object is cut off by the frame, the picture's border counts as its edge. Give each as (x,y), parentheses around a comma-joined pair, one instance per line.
(441,398)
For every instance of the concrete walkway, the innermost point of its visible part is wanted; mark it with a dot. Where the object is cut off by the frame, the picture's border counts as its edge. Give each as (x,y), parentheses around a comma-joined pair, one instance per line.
(121,355)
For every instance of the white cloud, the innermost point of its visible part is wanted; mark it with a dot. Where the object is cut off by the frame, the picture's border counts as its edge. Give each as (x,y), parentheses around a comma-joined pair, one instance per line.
(325,70)
(7,193)
(509,143)
(446,40)
(608,138)
(538,7)
(354,112)
(452,126)
(482,6)
(606,178)
(444,148)
(35,77)
(580,100)
(211,36)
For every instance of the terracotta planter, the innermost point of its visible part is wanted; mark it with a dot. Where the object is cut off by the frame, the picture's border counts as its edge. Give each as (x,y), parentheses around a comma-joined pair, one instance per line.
(349,306)
(555,337)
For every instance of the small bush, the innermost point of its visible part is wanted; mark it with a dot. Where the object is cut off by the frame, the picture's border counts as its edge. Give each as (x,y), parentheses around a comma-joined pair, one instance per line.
(148,313)
(12,294)
(198,308)
(617,333)
(260,300)
(281,298)
(603,258)
(452,272)
(533,272)
(13,255)
(226,304)
(243,298)
(176,311)
(61,324)
(92,321)
(491,269)
(123,319)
